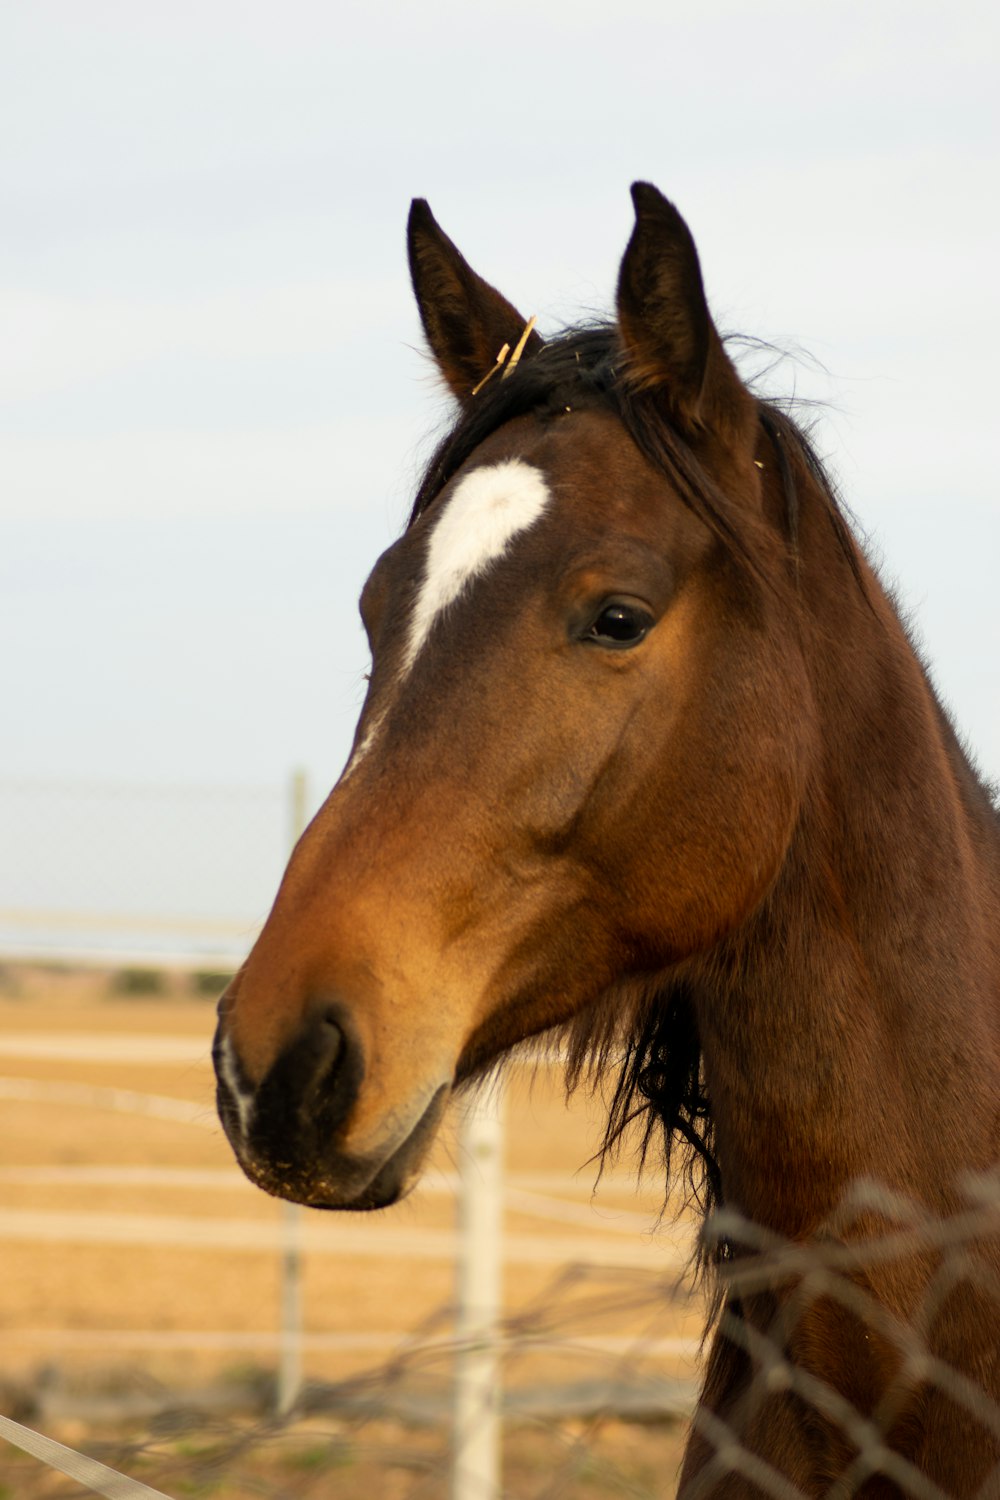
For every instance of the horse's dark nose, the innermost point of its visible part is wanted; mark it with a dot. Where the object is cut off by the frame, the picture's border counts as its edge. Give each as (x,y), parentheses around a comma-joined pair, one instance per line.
(289,1122)
(308,1093)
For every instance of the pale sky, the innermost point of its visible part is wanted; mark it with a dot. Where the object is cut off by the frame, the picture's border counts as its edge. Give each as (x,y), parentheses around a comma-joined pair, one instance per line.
(213,407)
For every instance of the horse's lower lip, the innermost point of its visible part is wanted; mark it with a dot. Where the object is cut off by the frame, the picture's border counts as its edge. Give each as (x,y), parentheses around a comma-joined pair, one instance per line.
(349,1182)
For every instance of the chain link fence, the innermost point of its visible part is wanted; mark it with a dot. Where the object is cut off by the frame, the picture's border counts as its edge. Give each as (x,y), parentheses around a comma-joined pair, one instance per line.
(596,1414)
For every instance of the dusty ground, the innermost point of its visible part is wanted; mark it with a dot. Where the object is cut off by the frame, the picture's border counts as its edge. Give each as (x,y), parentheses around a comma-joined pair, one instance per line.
(136,1256)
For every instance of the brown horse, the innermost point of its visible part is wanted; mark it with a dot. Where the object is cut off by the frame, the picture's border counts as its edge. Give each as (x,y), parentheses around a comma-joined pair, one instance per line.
(647,755)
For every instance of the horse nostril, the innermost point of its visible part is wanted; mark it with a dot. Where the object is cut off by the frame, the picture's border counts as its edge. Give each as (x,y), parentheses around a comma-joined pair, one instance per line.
(332,1028)
(321,1052)
(309,1091)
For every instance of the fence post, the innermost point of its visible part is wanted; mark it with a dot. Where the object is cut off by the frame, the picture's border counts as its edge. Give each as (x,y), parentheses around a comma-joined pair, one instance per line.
(290,1360)
(477,1405)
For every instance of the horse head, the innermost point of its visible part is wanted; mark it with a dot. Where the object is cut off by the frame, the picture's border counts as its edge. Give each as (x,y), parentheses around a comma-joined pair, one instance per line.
(585,739)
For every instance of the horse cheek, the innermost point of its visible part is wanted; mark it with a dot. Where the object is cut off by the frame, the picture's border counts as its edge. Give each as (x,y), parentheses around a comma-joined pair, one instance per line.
(714,830)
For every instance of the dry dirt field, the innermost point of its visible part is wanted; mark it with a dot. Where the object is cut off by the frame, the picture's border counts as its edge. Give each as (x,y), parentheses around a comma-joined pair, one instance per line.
(140,1268)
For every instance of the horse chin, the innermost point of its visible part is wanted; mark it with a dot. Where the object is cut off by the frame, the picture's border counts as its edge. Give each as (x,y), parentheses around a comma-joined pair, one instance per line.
(350,1181)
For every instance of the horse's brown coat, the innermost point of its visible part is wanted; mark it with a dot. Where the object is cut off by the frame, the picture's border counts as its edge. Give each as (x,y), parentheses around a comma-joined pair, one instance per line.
(757,814)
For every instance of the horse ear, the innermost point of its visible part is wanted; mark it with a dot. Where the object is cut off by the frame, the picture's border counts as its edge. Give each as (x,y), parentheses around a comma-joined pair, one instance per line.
(670,340)
(467,322)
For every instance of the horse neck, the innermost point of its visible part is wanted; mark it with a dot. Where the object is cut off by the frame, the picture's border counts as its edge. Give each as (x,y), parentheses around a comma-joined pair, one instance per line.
(852,1029)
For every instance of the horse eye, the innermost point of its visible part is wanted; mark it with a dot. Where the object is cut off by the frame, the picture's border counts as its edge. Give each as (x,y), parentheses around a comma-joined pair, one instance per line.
(619,625)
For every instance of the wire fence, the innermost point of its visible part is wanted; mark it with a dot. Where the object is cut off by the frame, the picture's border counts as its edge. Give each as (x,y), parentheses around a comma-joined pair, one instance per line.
(390,1429)
(618,1428)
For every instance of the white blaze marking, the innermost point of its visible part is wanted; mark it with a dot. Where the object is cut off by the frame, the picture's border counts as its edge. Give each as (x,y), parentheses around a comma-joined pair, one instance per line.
(488,508)
(486,511)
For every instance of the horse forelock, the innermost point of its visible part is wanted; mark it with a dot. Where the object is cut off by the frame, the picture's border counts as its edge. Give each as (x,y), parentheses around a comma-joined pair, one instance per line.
(584,368)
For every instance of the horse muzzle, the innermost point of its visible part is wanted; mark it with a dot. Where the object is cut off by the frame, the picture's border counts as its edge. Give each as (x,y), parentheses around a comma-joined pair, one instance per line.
(291,1131)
